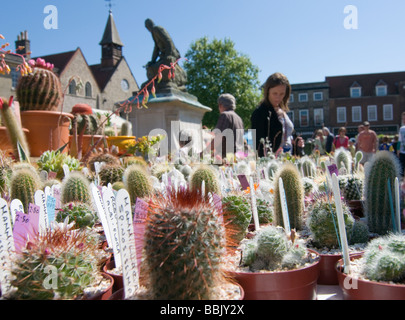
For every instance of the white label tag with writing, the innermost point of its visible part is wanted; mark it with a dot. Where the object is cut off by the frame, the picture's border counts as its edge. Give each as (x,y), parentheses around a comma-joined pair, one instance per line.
(15,205)
(284,207)
(6,247)
(40,200)
(99,203)
(127,243)
(111,214)
(254,204)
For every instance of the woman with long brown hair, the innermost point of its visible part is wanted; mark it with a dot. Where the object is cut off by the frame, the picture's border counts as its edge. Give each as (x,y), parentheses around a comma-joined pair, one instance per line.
(269,119)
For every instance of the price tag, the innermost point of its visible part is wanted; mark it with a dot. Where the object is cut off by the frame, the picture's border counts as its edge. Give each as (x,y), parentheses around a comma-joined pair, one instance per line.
(7,247)
(127,243)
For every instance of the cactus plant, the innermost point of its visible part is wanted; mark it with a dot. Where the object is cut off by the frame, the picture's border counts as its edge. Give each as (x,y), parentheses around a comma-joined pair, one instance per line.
(264,211)
(110,174)
(384,258)
(79,213)
(270,250)
(351,187)
(137,181)
(308,167)
(76,188)
(108,158)
(206,174)
(383,167)
(126,128)
(238,211)
(58,264)
(41,89)
(323,224)
(52,160)
(343,159)
(23,185)
(14,129)
(294,191)
(184,244)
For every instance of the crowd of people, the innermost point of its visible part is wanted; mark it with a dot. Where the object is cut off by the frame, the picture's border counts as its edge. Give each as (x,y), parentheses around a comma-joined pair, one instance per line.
(275,131)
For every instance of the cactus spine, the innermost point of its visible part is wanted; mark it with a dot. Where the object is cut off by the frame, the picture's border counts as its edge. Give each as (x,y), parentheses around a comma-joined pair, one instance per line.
(137,182)
(206,174)
(24,183)
(383,167)
(184,243)
(110,174)
(39,90)
(76,188)
(294,191)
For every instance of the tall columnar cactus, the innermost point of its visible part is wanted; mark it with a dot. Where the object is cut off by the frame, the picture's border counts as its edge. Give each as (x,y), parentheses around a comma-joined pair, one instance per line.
(184,244)
(323,224)
(126,129)
(343,159)
(76,188)
(383,167)
(41,89)
(14,129)
(206,174)
(24,183)
(308,167)
(294,192)
(385,258)
(137,182)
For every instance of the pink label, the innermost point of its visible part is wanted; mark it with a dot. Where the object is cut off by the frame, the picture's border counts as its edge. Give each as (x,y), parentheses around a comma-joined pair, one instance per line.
(25,226)
(139,221)
(243,181)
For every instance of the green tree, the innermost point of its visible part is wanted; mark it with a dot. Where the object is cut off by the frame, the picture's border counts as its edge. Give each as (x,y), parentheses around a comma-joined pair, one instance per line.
(216,67)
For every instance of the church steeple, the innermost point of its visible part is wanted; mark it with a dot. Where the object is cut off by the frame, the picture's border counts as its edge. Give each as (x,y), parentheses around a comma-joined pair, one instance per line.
(111,45)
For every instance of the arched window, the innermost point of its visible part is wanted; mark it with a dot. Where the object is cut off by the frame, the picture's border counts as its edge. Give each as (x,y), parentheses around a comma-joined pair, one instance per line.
(88,89)
(72,87)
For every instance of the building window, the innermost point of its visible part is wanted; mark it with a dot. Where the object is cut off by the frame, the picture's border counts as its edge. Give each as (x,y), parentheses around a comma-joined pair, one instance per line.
(88,90)
(318,96)
(355,92)
(290,114)
(72,87)
(292,97)
(341,114)
(303,97)
(372,113)
(356,114)
(387,112)
(304,118)
(318,117)
(381,91)
(15,77)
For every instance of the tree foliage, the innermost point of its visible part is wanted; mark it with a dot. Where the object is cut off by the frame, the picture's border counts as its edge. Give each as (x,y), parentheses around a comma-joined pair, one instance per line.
(216,67)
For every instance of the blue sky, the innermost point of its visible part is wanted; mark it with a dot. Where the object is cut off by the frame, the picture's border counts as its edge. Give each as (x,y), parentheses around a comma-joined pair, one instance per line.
(304,39)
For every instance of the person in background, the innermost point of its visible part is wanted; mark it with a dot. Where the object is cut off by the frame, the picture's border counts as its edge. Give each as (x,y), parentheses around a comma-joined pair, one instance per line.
(328,139)
(228,119)
(298,146)
(360,128)
(352,146)
(384,144)
(342,140)
(267,118)
(319,142)
(367,143)
(401,140)
(394,145)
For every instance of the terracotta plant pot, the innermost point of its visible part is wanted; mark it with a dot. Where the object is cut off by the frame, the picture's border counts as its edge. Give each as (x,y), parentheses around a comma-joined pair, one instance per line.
(299,284)
(118,280)
(5,144)
(48,130)
(88,141)
(357,289)
(105,294)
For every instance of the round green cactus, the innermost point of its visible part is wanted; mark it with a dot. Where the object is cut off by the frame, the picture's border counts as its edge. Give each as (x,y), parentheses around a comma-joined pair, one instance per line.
(76,188)
(137,181)
(184,244)
(24,183)
(79,213)
(206,174)
(110,174)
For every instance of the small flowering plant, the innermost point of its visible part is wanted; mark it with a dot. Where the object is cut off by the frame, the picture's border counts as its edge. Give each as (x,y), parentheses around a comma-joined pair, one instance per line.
(24,67)
(143,144)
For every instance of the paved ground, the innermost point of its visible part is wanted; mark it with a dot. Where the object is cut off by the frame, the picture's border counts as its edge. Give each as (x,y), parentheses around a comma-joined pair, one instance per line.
(329,292)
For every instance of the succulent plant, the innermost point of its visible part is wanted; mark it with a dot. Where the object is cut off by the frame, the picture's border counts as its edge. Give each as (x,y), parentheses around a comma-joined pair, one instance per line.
(76,188)
(323,224)
(158,169)
(108,158)
(137,182)
(23,185)
(270,250)
(58,264)
(351,187)
(126,129)
(264,211)
(308,166)
(343,159)
(206,174)
(238,211)
(385,258)
(184,244)
(53,160)
(14,129)
(294,191)
(383,166)
(110,174)
(41,89)
(79,213)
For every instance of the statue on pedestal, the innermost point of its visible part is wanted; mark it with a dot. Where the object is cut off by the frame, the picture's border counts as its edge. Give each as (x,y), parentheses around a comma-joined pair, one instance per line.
(164,52)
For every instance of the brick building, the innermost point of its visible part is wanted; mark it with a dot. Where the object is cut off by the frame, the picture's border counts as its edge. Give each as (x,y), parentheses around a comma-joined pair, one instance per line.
(103,84)
(348,101)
